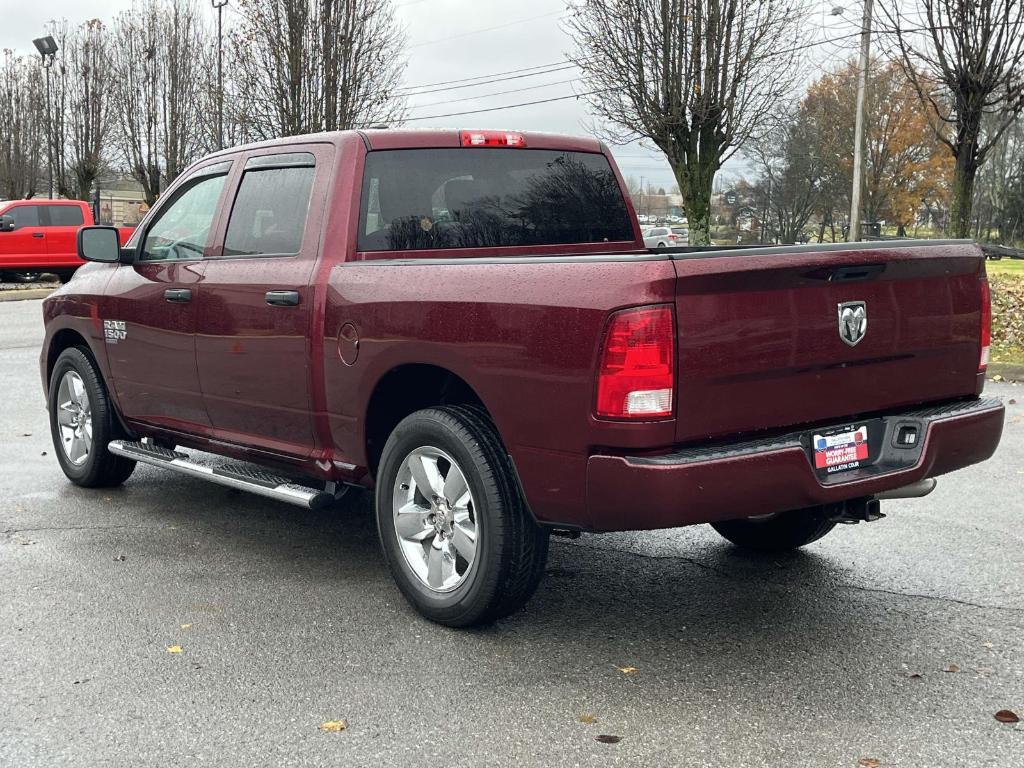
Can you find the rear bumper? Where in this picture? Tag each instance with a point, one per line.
(701, 485)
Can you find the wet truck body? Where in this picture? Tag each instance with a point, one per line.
(505, 273)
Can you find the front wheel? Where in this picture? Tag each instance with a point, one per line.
(82, 422)
(455, 532)
(776, 533)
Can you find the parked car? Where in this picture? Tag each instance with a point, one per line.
(682, 235)
(38, 237)
(660, 237)
(381, 309)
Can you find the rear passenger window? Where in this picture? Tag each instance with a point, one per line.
(25, 215)
(269, 214)
(65, 216)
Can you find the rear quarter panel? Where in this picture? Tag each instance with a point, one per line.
(524, 335)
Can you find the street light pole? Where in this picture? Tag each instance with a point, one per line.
(219, 5)
(47, 48)
(858, 134)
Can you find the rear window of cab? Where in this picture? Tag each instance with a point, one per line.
(430, 199)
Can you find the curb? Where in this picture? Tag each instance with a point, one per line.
(1009, 371)
(27, 293)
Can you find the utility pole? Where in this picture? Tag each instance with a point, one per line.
(858, 137)
(219, 5)
(47, 48)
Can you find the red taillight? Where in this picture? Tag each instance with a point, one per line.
(636, 377)
(986, 325)
(492, 139)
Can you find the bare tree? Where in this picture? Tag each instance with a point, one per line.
(696, 77)
(87, 106)
(792, 173)
(161, 90)
(965, 59)
(301, 66)
(136, 33)
(183, 59)
(22, 130)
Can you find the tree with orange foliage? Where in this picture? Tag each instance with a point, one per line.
(905, 166)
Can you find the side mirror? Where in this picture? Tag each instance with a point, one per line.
(102, 244)
(6, 223)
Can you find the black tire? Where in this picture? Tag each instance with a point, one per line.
(785, 531)
(24, 276)
(511, 548)
(100, 468)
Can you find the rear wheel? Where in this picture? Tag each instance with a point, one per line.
(82, 422)
(455, 533)
(776, 533)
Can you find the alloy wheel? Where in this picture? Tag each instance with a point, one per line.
(435, 519)
(74, 418)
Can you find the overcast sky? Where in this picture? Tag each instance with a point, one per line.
(458, 39)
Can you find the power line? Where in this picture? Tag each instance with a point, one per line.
(793, 49)
(486, 80)
(486, 29)
(507, 106)
(497, 93)
(542, 69)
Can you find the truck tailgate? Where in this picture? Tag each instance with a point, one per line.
(759, 333)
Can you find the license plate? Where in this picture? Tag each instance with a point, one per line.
(837, 451)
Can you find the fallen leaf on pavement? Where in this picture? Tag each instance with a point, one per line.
(588, 719)
(988, 645)
(186, 626)
(1007, 716)
(869, 762)
(627, 670)
(120, 558)
(606, 738)
(1013, 401)
(174, 649)
(334, 726)
(952, 668)
(915, 675)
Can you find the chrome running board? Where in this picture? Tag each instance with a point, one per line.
(240, 476)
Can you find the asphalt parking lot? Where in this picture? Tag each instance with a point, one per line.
(895, 641)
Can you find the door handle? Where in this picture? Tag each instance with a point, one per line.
(37, 234)
(282, 298)
(178, 295)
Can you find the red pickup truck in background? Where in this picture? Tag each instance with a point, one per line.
(468, 323)
(39, 236)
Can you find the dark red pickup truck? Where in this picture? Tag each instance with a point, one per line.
(468, 323)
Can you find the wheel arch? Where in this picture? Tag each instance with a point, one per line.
(405, 389)
(66, 338)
